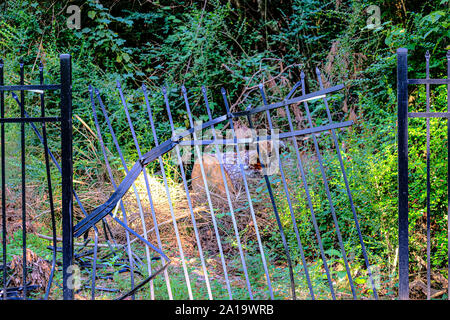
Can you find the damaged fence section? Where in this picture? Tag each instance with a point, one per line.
(244, 205)
(199, 229)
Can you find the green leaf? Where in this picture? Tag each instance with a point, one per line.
(333, 252)
(360, 280)
(126, 57)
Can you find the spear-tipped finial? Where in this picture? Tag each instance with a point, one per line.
(318, 71)
(448, 55)
(260, 86)
(118, 84)
(21, 62)
(144, 87)
(183, 89)
(90, 88)
(302, 75)
(41, 66)
(427, 55)
(223, 90)
(164, 89)
(203, 89)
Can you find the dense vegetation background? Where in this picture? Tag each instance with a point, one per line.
(238, 44)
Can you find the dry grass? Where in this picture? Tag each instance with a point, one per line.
(40, 270)
(241, 210)
(36, 207)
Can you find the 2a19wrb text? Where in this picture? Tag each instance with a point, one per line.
(244, 309)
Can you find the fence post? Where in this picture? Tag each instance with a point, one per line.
(66, 174)
(402, 120)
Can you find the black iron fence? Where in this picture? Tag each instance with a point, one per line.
(8, 289)
(403, 83)
(202, 253)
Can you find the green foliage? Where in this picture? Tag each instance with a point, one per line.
(237, 45)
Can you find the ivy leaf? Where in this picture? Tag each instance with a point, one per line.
(126, 56)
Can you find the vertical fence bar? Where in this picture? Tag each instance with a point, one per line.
(2, 134)
(174, 221)
(125, 167)
(402, 122)
(427, 57)
(274, 206)
(169, 199)
(66, 174)
(22, 161)
(448, 175)
(272, 199)
(49, 182)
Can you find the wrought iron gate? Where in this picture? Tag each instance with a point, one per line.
(7, 290)
(139, 227)
(403, 205)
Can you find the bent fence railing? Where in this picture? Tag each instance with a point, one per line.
(217, 276)
(403, 83)
(9, 290)
(234, 230)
